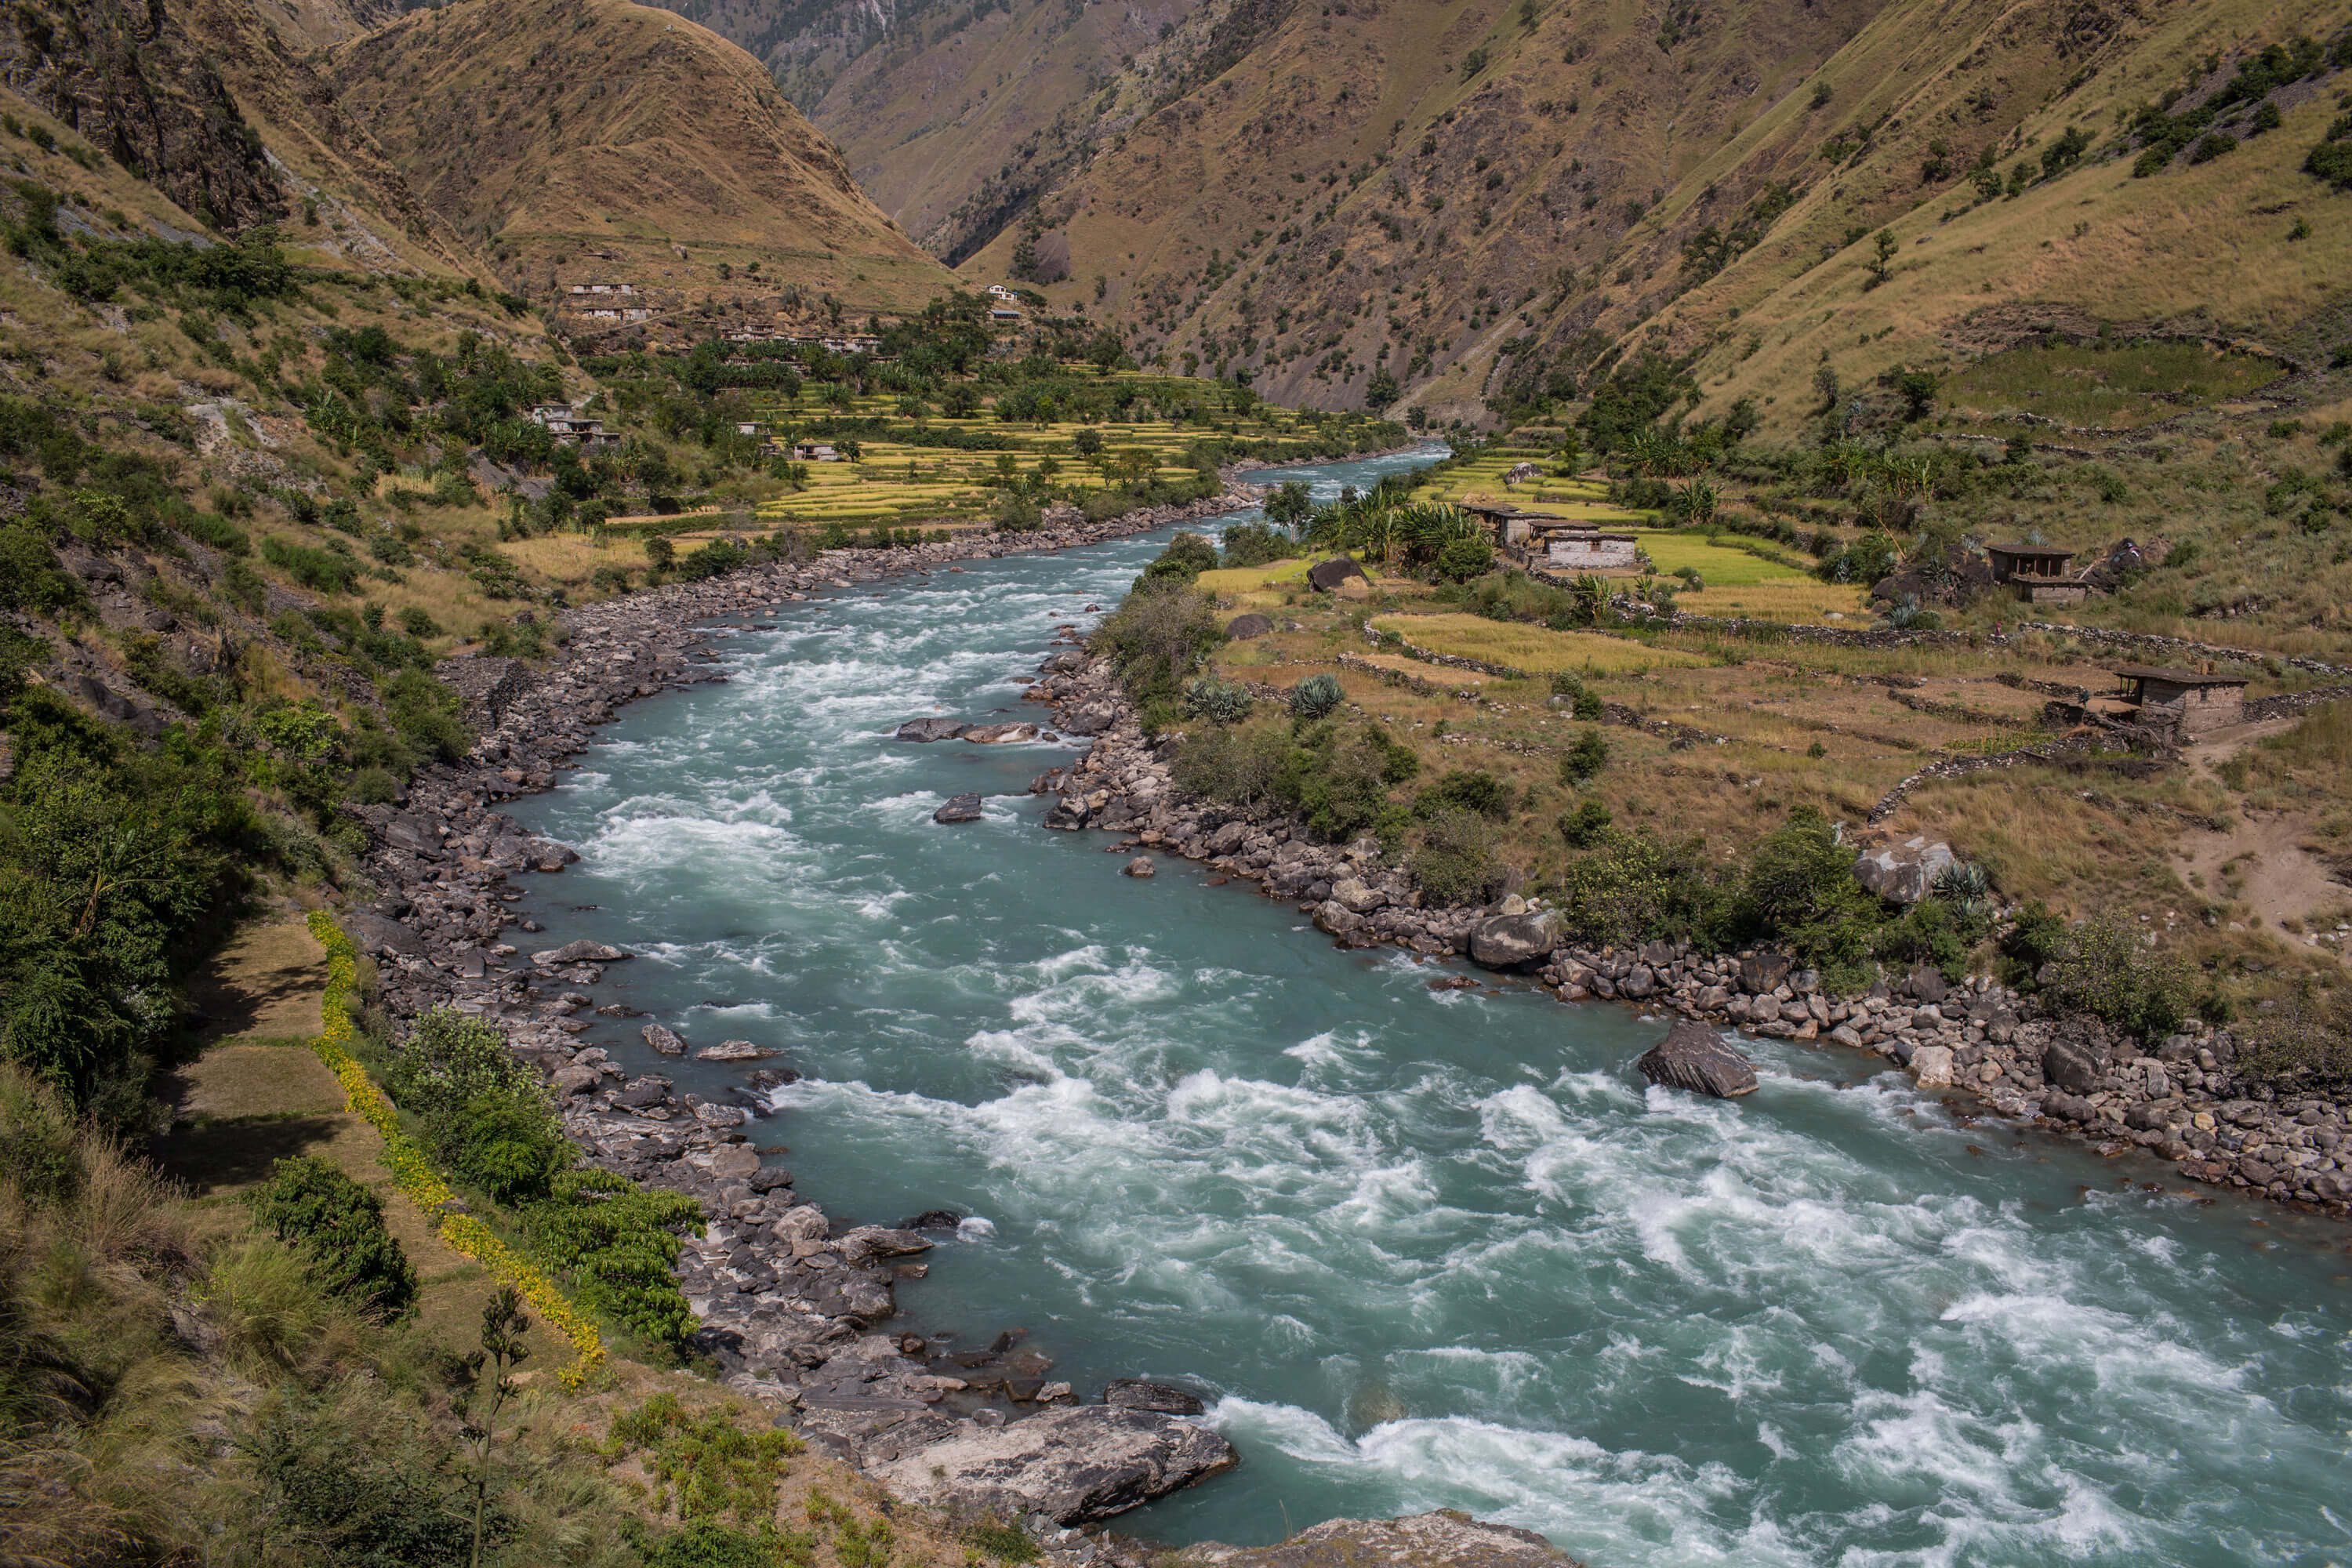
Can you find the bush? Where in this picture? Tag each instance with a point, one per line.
(506, 1142)
(338, 1226)
(1632, 886)
(1466, 789)
(1585, 759)
(1255, 544)
(2304, 1044)
(1342, 780)
(1316, 697)
(1219, 701)
(1455, 863)
(2102, 968)
(1240, 765)
(1583, 825)
(1460, 560)
(1798, 891)
(1187, 556)
(1158, 635)
(617, 1244)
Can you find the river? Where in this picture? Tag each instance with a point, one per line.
(1420, 1248)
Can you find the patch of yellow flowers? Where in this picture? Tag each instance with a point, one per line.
(414, 1174)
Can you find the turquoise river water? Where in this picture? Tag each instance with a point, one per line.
(1419, 1248)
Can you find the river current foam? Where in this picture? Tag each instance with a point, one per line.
(1420, 1249)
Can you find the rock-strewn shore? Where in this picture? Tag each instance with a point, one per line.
(791, 1299)
(2181, 1097)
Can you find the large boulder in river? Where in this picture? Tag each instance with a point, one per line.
(1514, 942)
(1695, 1058)
(1000, 734)
(1326, 576)
(927, 730)
(581, 952)
(1904, 873)
(1071, 1465)
(665, 1041)
(1443, 1538)
(960, 808)
(1241, 628)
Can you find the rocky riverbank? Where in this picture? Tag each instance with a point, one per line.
(791, 1299)
(1990, 1049)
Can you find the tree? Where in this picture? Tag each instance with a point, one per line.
(502, 1349)
(660, 553)
(1381, 390)
(1289, 504)
(1917, 389)
(1088, 443)
(1880, 270)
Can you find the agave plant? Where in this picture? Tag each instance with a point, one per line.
(1964, 886)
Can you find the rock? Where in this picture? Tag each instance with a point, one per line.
(1695, 1058)
(1241, 628)
(1904, 873)
(1326, 576)
(735, 1162)
(932, 1219)
(959, 808)
(1357, 896)
(375, 934)
(581, 951)
(731, 1051)
(572, 1081)
(1763, 973)
(665, 1041)
(1932, 1067)
(1135, 1393)
(1070, 1465)
(924, 731)
(1513, 942)
(1928, 984)
(1445, 1539)
(1000, 734)
(1140, 866)
(2075, 1062)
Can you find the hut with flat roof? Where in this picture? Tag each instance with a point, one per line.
(2189, 701)
(2037, 574)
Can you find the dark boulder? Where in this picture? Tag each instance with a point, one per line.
(926, 730)
(1241, 628)
(1325, 576)
(1695, 1058)
(932, 1219)
(2076, 1061)
(1763, 971)
(375, 934)
(1135, 1393)
(959, 808)
(665, 1041)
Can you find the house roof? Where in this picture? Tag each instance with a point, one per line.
(2175, 676)
(2042, 549)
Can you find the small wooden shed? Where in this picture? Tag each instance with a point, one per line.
(2040, 575)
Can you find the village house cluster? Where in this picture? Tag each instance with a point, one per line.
(571, 427)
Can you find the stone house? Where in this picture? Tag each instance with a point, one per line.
(2037, 574)
(2191, 701)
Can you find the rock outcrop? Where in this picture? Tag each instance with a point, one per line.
(924, 731)
(1904, 873)
(1444, 1538)
(1073, 1466)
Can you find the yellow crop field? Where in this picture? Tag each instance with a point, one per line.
(1534, 649)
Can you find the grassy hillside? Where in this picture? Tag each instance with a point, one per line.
(593, 141)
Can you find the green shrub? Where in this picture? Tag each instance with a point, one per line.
(1460, 560)
(338, 1226)
(1158, 635)
(369, 1495)
(1585, 758)
(1341, 780)
(2304, 1044)
(1455, 862)
(2102, 968)
(1005, 1542)
(1632, 886)
(1466, 789)
(506, 1142)
(617, 1244)
(1255, 544)
(704, 1462)
(1187, 556)
(1583, 825)
(38, 1153)
(1316, 697)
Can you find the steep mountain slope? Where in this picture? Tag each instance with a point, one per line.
(572, 137)
(928, 99)
(1474, 204)
(1377, 188)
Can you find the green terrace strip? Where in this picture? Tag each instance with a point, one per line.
(412, 1172)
